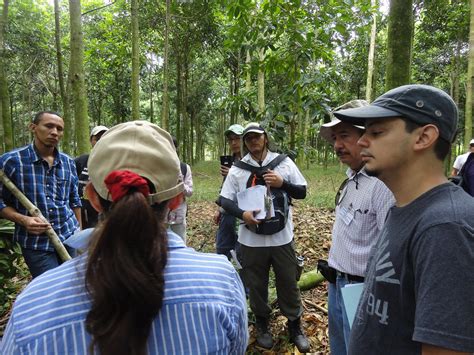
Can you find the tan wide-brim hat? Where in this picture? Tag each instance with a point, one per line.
(143, 148)
(326, 129)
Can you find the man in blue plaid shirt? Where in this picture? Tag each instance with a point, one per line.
(49, 180)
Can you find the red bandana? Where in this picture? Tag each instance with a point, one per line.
(120, 182)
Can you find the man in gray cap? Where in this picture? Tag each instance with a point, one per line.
(420, 278)
(362, 203)
(88, 213)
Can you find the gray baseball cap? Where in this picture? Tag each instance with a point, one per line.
(421, 104)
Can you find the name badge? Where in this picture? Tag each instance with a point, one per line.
(346, 214)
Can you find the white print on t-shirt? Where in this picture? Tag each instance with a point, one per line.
(383, 262)
(384, 272)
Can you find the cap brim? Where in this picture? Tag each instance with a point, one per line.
(357, 116)
(254, 130)
(326, 131)
(229, 131)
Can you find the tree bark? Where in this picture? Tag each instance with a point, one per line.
(370, 62)
(135, 61)
(166, 100)
(6, 122)
(399, 43)
(77, 79)
(261, 82)
(470, 86)
(62, 90)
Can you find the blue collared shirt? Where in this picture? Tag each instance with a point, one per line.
(52, 189)
(204, 309)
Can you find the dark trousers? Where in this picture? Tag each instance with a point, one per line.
(40, 261)
(256, 262)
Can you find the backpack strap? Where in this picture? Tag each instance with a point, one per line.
(184, 169)
(261, 169)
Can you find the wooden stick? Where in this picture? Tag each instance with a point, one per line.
(35, 212)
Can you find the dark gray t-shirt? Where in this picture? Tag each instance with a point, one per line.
(420, 278)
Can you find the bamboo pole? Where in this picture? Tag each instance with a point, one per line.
(35, 212)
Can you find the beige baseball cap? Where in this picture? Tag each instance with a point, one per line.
(143, 148)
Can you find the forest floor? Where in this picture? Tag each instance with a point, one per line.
(312, 235)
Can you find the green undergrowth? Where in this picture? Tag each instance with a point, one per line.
(322, 183)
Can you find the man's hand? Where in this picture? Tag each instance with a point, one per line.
(273, 179)
(249, 217)
(217, 217)
(224, 170)
(35, 225)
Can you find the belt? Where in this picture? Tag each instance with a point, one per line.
(349, 277)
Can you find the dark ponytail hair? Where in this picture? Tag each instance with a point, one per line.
(125, 275)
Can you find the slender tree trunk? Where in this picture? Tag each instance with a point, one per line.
(67, 142)
(165, 111)
(470, 86)
(76, 69)
(135, 61)
(399, 43)
(261, 82)
(150, 76)
(179, 104)
(248, 78)
(4, 95)
(370, 67)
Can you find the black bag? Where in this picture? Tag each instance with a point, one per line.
(281, 200)
(328, 272)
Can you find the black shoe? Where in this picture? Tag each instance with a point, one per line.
(297, 336)
(264, 337)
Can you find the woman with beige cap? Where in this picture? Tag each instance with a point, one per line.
(138, 289)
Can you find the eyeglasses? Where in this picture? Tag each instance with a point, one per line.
(341, 192)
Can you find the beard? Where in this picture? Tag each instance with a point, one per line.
(372, 172)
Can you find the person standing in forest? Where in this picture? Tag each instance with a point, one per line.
(461, 159)
(419, 286)
(226, 236)
(177, 218)
(48, 179)
(260, 248)
(362, 203)
(88, 214)
(138, 290)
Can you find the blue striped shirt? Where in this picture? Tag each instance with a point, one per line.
(204, 309)
(52, 189)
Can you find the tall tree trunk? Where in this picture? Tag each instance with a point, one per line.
(369, 91)
(135, 61)
(78, 86)
(470, 86)
(165, 111)
(179, 104)
(248, 64)
(399, 43)
(261, 82)
(67, 141)
(6, 120)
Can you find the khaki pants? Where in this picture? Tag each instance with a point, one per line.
(256, 262)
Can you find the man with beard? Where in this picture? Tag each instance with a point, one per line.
(362, 203)
(48, 179)
(419, 286)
